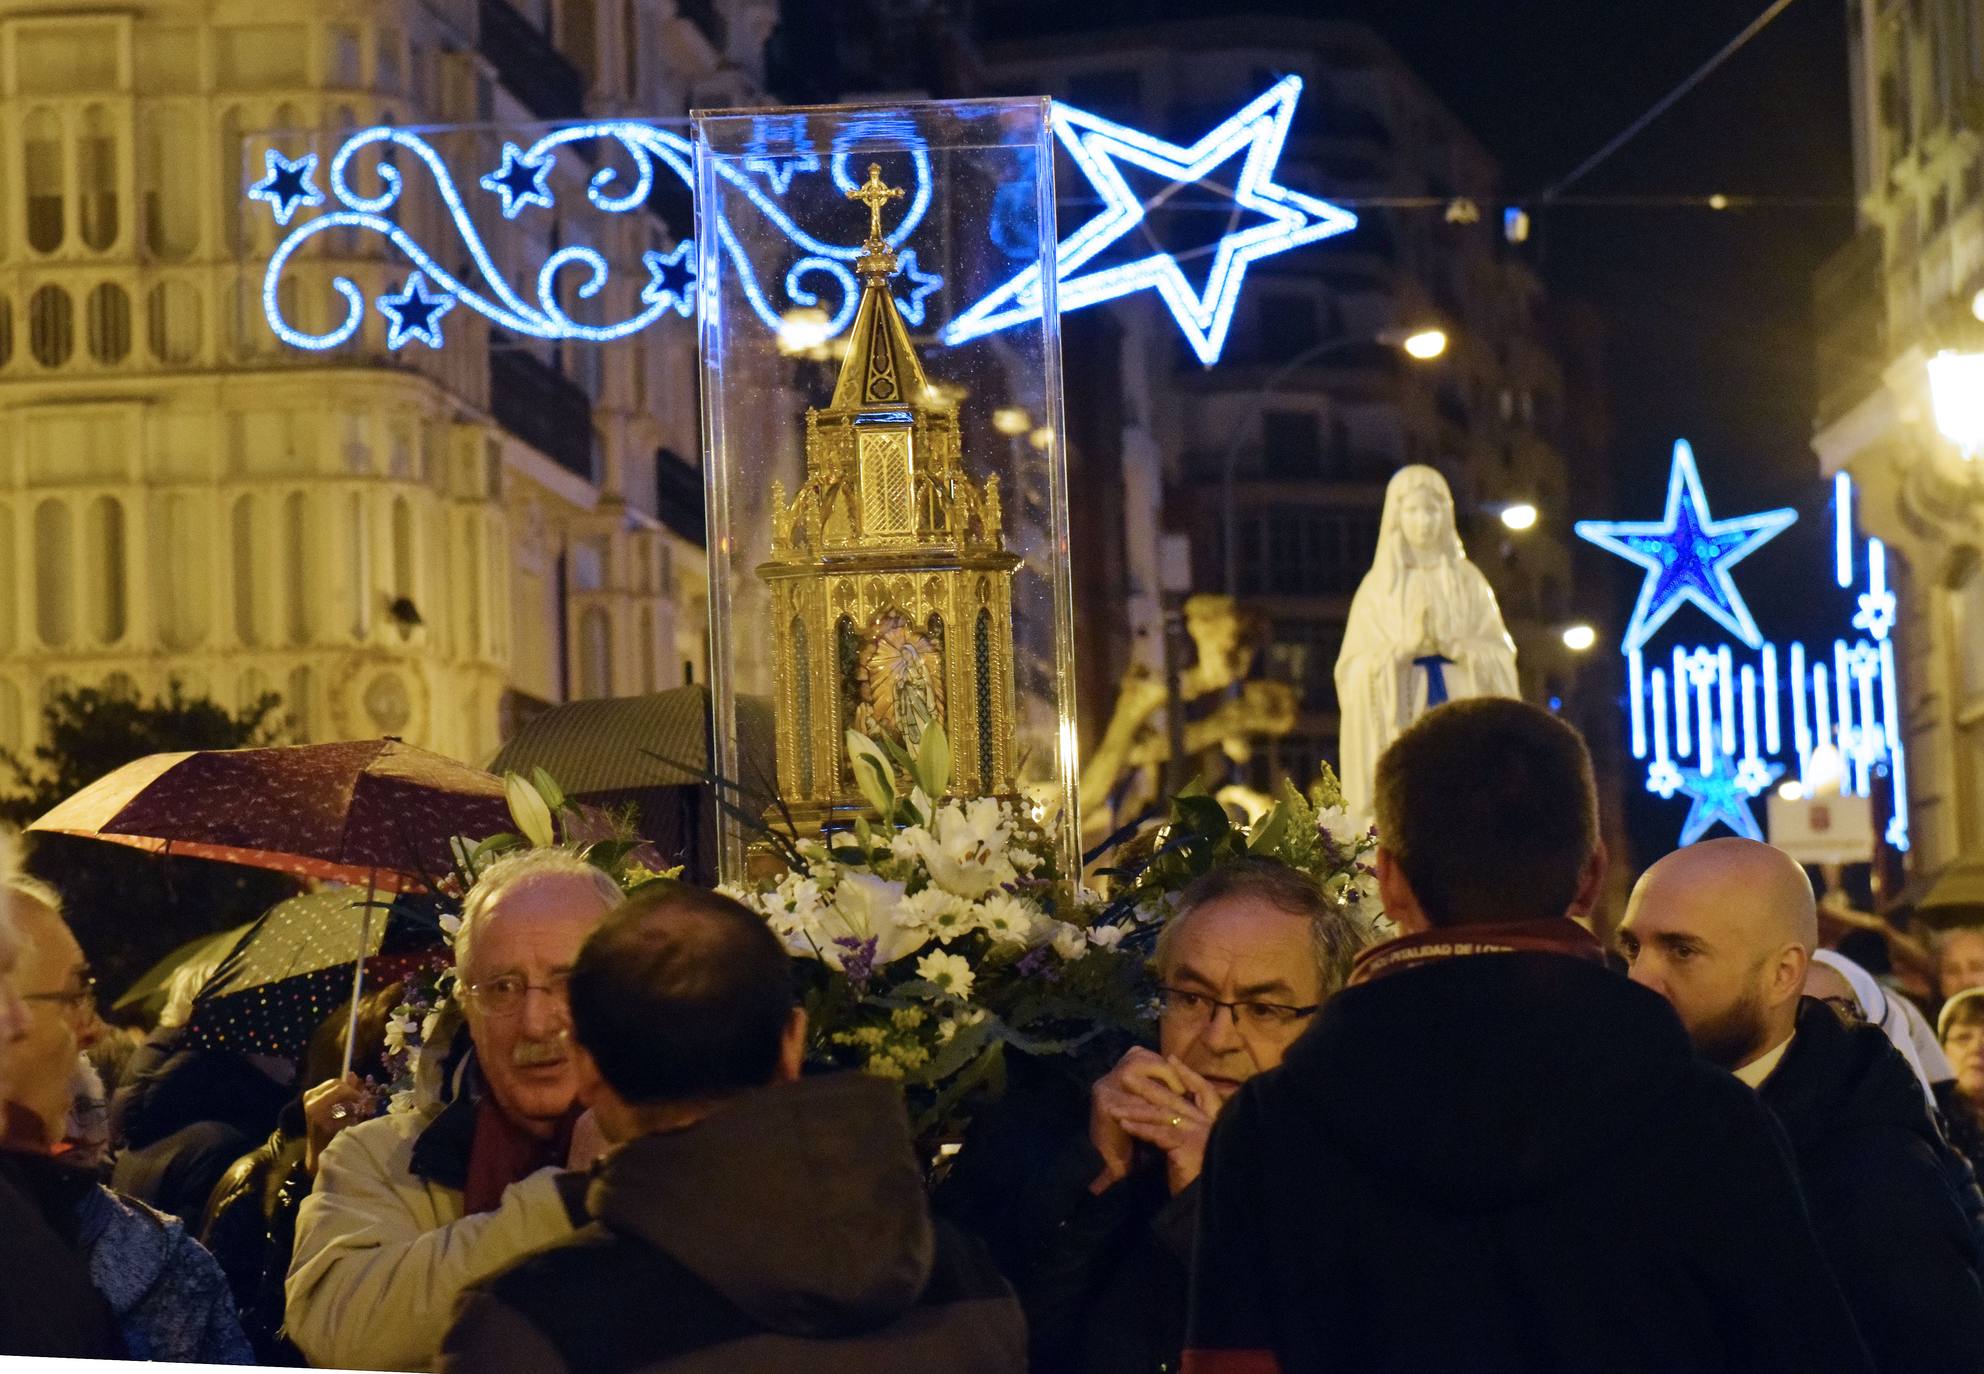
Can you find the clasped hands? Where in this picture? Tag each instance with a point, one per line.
(1159, 1101)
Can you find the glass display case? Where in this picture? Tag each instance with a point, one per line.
(888, 508)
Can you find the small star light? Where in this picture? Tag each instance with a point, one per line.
(1722, 797)
(1687, 555)
(674, 277)
(287, 184)
(415, 314)
(921, 285)
(1266, 219)
(519, 181)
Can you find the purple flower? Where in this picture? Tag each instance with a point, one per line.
(1035, 961)
(858, 963)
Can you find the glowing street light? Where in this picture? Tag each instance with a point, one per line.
(1519, 516)
(1425, 344)
(1579, 638)
(1791, 791)
(1956, 386)
(1012, 421)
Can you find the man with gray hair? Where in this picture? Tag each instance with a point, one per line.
(1088, 1194)
(411, 1208)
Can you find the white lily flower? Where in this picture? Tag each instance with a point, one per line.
(1070, 941)
(866, 907)
(1105, 937)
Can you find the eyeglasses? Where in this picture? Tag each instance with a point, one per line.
(505, 994)
(76, 1003)
(1193, 1008)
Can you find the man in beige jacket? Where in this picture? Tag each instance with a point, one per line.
(411, 1208)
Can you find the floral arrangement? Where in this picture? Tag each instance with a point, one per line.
(938, 934)
(545, 818)
(1312, 833)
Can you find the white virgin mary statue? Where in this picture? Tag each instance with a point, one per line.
(1424, 629)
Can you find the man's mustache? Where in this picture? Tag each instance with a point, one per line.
(529, 1053)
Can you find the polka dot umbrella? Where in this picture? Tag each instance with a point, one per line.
(293, 967)
(374, 812)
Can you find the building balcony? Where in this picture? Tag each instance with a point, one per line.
(679, 497)
(529, 65)
(1851, 318)
(543, 407)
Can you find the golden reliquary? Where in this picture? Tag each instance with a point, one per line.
(891, 588)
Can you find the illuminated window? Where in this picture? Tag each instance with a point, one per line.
(96, 179)
(43, 168)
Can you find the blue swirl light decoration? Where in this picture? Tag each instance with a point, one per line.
(650, 152)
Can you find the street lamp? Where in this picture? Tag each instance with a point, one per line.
(1579, 638)
(1421, 344)
(1956, 386)
(1519, 516)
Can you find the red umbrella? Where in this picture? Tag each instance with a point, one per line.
(364, 811)
(376, 812)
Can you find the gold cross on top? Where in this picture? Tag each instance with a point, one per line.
(875, 195)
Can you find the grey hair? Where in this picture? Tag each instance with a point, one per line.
(1336, 935)
(183, 987)
(16, 881)
(516, 870)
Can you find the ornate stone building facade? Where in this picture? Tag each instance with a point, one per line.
(427, 543)
(1910, 284)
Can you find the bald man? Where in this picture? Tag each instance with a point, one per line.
(1725, 931)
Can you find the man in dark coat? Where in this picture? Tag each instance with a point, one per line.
(749, 1219)
(1087, 1194)
(1491, 1153)
(1725, 931)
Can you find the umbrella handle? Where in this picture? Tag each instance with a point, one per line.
(358, 973)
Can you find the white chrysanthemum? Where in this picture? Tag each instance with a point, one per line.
(1337, 826)
(940, 913)
(1008, 919)
(948, 971)
(1070, 941)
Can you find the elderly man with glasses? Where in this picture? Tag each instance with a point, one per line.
(411, 1208)
(1087, 1195)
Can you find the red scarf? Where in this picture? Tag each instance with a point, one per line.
(503, 1153)
(1558, 936)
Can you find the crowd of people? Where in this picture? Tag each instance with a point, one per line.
(1491, 1143)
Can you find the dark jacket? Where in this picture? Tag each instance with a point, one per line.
(182, 1117)
(1506, 1162)
(1101, 1278)
(787, 1231)
(48, 1306)
(1886, 1207)
(250, 1228)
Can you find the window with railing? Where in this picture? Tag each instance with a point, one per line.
(1305, 551)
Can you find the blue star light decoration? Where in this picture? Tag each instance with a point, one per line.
(1687, 556)
(287, 184)
(672, 277)
(921, 286)
(415, 314)
(1722, 797)
(519, 181)
(1286, 219)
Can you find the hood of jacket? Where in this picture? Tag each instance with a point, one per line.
(1836, 1079)
(801, 1203)
(1484, 1082)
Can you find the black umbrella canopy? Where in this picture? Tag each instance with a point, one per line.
(293, 968)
